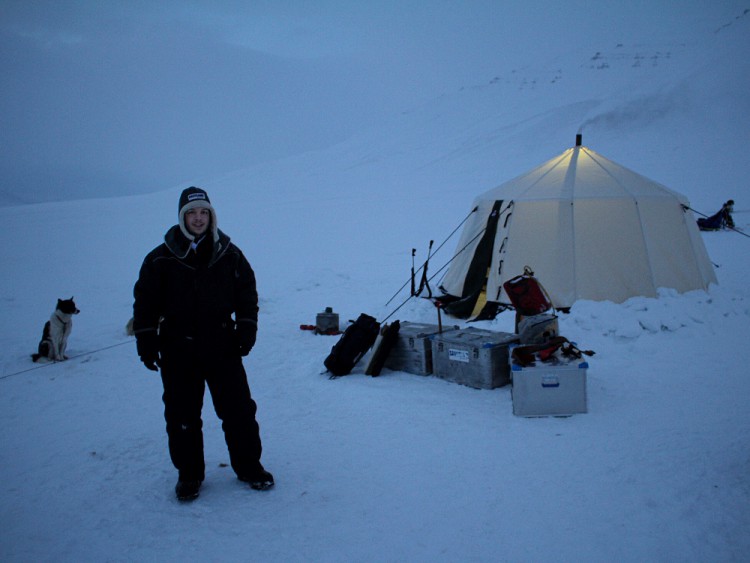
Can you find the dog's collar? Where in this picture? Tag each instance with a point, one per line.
(62, 320)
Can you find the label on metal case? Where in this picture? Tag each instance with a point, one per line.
(458, 355)
(550, 381)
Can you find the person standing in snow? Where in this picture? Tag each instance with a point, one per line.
(726, 212)
(195, 316)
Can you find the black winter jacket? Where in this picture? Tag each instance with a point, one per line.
(180, 293)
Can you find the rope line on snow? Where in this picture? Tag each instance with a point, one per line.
(47, 364)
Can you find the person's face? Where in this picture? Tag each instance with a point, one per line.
(197, 220)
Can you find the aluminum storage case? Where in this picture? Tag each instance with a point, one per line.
(474, 357)
(537, 329)
(546, 389)
(413, 351)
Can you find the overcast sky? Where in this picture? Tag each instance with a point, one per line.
(105, 97)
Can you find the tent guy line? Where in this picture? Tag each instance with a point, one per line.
(431, 256)
(730, 228)
(444, 266)
(48, 364)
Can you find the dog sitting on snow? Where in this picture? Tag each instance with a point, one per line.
(56, 332)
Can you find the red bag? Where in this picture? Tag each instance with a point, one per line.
(527, 295)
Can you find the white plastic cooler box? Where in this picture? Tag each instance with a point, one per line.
(546, 389)
(474, 357)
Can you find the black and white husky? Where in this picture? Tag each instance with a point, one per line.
(56, 332)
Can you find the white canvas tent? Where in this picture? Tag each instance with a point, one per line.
(589, 229)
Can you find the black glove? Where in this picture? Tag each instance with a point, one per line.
(245, 334)
(147, 344)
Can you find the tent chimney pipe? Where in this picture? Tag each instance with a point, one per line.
(579, 139)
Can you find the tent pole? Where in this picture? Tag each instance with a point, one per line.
(413, 286)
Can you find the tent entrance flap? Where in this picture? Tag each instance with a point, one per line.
(476, 274)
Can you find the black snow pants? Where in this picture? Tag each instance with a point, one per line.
(187, 365)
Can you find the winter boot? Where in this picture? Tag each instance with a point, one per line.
(187, 490)
(260, 480)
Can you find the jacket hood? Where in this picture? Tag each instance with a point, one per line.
(178, 243)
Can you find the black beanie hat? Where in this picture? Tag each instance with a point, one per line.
(191, 198)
